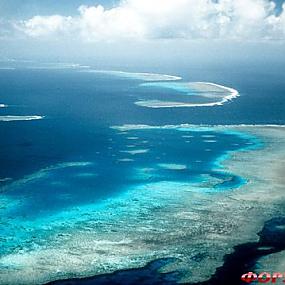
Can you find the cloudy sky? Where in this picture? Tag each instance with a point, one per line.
(29, 24)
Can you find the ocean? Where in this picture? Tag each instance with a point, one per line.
(77, 143)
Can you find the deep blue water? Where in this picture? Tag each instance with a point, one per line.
(79, 109)
(73, 157)
(110, 169)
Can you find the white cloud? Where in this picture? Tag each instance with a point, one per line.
(47, 25)
(145, 19)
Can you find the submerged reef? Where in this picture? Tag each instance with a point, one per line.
(244, 258)
(198, 94)
(190, 209)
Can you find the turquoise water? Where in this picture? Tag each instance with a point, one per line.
(181, 92)
(80, 164)
(131, 159)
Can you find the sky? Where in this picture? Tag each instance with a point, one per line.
(92, 27)
(28, 8)
(22, 9)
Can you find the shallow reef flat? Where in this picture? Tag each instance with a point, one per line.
(136, 75)
(19, 118)
(171, 91)
(198, 94)
(187, 222)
